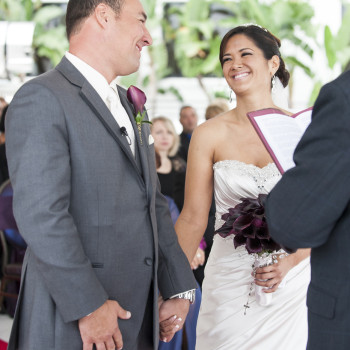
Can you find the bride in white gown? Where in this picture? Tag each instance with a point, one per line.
(226, 156)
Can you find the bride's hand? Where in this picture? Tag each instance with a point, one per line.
(198, 259)
(271, 276)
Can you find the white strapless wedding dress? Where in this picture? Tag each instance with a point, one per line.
(222, 323)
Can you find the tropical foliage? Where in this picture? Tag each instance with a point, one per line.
(49, 40)
(187, 34)
(337, 49)
(201, 24)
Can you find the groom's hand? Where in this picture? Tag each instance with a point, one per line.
(101, 327)
(172, 315)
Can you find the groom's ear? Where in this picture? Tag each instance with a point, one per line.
(102, 14)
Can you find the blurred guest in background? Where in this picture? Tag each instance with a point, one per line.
(172, 168)
(3, 104)
(4, 172)
(215, 108)
(189, 121)
(3, 108)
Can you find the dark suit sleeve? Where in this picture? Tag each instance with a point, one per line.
(184, 145)
(179, 184)
(39, 163)
(305, 206)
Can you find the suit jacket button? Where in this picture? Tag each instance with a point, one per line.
(148, 261)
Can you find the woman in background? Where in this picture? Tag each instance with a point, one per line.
(172, 169)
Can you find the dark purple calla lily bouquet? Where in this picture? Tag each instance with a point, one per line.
(247, 223)
(138, 99)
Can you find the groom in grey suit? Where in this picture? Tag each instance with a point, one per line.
(101, 243)
(310, 207)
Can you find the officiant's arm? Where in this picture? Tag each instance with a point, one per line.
(193, 220)
(306, 204)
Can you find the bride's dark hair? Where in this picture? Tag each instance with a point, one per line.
(265, 41)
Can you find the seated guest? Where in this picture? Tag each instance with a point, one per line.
(4, 172)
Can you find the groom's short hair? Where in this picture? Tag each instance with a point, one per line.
(79, 10)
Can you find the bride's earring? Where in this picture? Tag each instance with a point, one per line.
(231, 98)
(273, 83)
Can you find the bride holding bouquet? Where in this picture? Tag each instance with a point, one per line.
(227, 158)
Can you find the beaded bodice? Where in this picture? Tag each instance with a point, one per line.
(234, 180)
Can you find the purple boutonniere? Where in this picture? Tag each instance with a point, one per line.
(138, 99)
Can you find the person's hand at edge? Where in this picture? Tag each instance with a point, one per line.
(198, 259)
(101, 327)
(172, 315)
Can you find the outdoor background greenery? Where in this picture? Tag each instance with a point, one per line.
(187, 37)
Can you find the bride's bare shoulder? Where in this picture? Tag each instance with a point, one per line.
(214, 124)
(209, 132)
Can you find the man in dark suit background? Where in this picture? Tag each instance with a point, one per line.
(189, 121)
(101, 242)
(310, 207)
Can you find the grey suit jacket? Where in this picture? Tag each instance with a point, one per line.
(310, 207)
(96, 224)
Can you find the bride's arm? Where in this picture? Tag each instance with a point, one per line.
(193, 220)
(275, 273)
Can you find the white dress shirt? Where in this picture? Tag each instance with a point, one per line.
(108, 93)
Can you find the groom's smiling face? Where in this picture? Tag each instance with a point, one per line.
(128, 35)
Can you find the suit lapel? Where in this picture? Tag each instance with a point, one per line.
(142, 148)
(94, 101)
